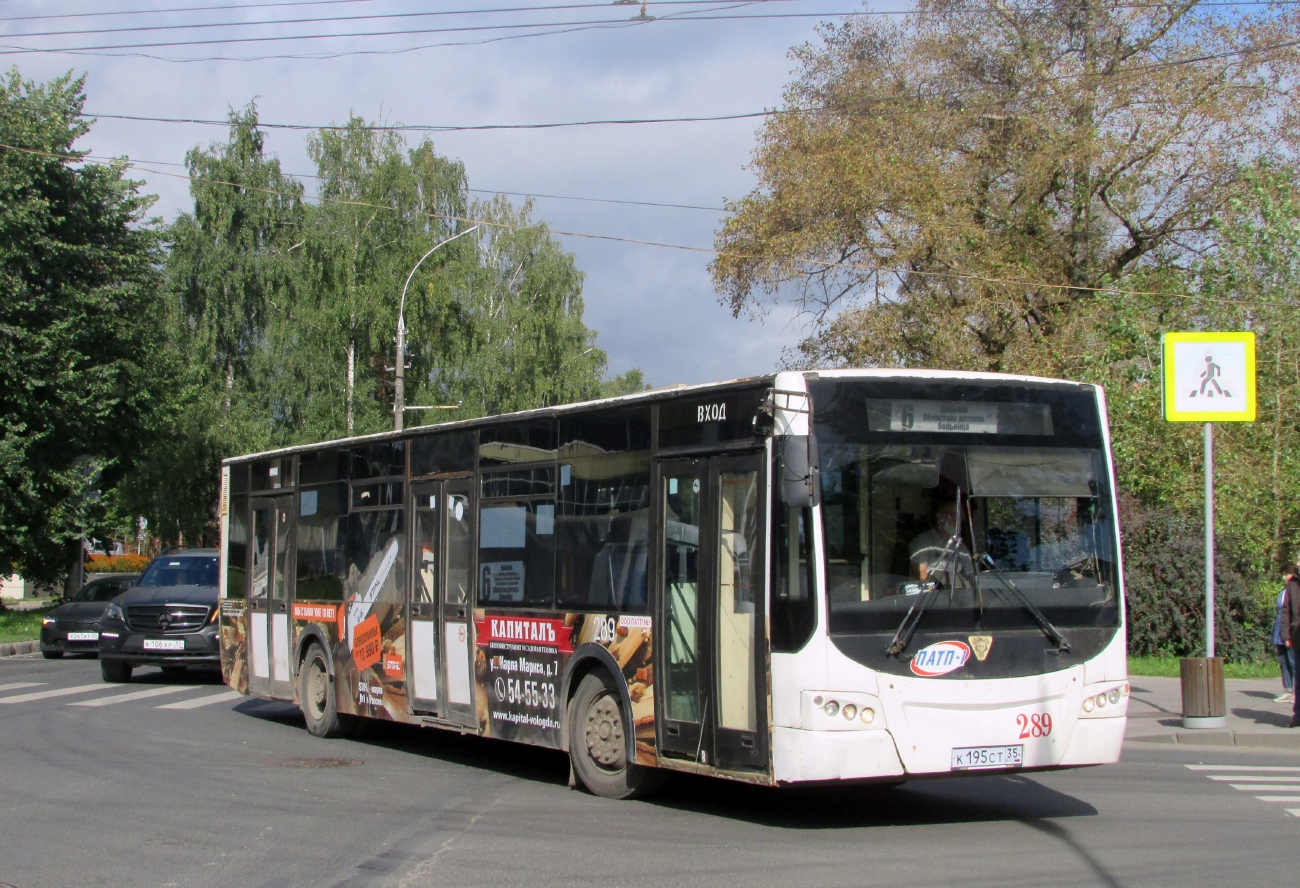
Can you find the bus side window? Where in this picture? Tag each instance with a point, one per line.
(794, 612)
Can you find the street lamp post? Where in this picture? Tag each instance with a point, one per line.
(399, 383)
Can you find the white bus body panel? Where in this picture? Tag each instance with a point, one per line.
(919, 721)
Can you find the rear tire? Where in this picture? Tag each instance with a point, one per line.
(317, 700)
(598, 743)
(115, 671)
(52, 655)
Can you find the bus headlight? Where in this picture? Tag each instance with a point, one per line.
(868, 715)
(850, 711)
(832, 708)
(840, 711)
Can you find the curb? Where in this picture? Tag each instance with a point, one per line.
(1240, 739)
(18, 648)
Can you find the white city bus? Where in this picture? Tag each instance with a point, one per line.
(842, 575)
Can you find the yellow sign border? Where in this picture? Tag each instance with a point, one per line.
(1167, 342)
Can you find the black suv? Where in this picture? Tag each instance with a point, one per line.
(168, 618)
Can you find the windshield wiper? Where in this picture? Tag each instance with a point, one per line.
(908, 627)
(1052, 633)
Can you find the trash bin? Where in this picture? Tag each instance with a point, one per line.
(1204, 701)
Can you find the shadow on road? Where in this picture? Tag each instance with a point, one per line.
(932, 801)
(1278, 718)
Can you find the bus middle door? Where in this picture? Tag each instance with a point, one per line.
(441, 660)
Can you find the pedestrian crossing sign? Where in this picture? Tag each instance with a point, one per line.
(1209, 377)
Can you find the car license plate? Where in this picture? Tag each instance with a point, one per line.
(164, 644)
(83, 636)
(987, 757)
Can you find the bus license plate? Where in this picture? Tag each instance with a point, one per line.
(83, 636)
(988, 757)
(164, 644)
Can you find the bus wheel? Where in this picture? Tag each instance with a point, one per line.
(316, 693)
(598, 744)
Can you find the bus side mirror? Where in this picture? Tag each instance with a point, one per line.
(798, 467)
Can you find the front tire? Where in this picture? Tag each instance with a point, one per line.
(317, 700)
(115, 671)
(598, 743)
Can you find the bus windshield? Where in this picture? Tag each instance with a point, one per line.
(991, 521)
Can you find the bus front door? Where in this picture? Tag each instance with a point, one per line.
(711, 660)
(441, 658)
(268, 600)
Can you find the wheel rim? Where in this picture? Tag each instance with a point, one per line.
(603, 731)
(317, 689)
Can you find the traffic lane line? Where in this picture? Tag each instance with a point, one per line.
(57, 692)
(208, 700)
(136, 695)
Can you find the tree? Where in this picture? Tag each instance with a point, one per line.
(229, 274)
(504, 325)
(629, 383)
(81, 327)
(953, 189)
(381, 208)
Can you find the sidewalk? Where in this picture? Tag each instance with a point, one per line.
(1155, 715)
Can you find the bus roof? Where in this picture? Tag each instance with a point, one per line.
(655, 395)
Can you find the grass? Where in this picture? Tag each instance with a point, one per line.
(1168, 667)
(21, 625)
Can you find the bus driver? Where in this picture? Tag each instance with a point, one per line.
(929, 547)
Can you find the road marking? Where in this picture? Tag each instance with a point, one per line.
(135, 695)
(1291, 768)
(19, 685)
(1264, 779)
(209, 700)
(57, 692)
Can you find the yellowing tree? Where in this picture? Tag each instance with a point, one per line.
(958, 188)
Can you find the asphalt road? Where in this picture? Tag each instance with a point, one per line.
(177, 782)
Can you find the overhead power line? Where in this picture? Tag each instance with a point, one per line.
(446, 128)
(807, 261)
(410, 32)
(191, 26)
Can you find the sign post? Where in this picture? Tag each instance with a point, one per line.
(1208, 378)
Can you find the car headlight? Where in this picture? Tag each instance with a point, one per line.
(48, 621)
(114, 612)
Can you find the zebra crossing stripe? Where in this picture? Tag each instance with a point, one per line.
(135, 695)
(19, 685)
(208, 700)
(1256, 779)
(56, 692)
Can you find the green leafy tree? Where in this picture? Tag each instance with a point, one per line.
(230, 275)
(628, 383)
(82, 375)
(381, 208)
(504, 324)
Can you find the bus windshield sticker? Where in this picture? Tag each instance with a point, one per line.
(502, 581)
(940, 658)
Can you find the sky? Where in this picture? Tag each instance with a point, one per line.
(654, 307)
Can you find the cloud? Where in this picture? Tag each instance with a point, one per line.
(654, 308)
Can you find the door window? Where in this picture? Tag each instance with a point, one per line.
(682, 591)
(737, 593)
